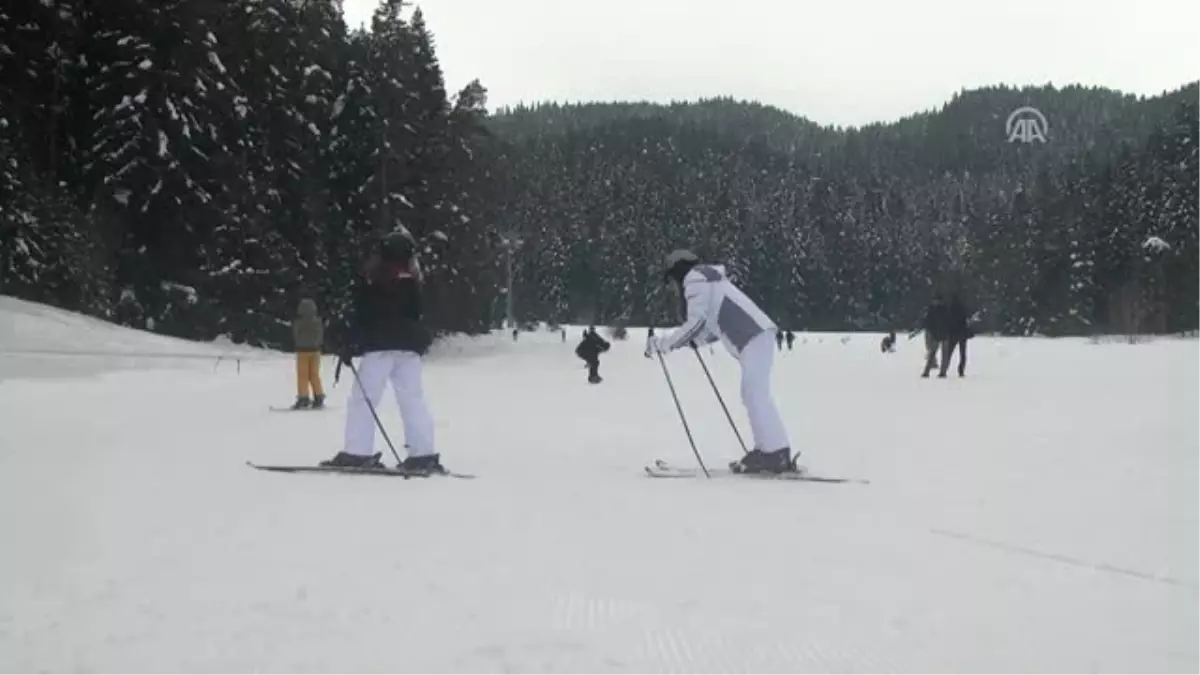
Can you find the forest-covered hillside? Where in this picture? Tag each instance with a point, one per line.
(855, 228)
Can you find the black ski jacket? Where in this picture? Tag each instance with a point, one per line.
(591, 346)
(957, 320)
(937, 321)
(386, 316)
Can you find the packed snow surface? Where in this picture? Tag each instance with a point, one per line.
(1038, 515)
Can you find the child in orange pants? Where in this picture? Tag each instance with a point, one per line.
(308, 333)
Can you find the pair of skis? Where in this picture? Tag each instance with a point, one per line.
(659, 469)
(378, 470)
(662, 469)
(291, 409)
(397, 472)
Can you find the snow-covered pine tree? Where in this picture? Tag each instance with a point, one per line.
(272, 239)
(427, 182)
(1176, 150)
(469, 284)
(429, 208)
(48, 251)
(351, 163)
(39, 89)
(391, 58)
(155, 154)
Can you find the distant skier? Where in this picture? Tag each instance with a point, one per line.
(649, 337)
(386, 331)
(779, 340)
(719, 310)
(590, 349)
(308, 338)
(958, 331)
(564, 334)
(888, 344)
(791, 339)
(936, 327)
(516, 333)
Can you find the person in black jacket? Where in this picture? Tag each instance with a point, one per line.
(386, 334)
(958, 331)
(590, 349)
(936, 327)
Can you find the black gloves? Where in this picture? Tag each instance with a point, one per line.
(345, 356)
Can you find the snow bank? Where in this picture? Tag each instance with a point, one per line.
(38, 340)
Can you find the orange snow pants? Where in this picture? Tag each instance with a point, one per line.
(308, 374)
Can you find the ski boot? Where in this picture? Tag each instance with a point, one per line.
(302, 403)
(426, 464)
(349, 461)
(318, 402)
(758, 461)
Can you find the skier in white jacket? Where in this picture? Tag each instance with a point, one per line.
(719, 310)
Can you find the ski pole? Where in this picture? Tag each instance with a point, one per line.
(724, 407)
(371, 407)
(682, 418)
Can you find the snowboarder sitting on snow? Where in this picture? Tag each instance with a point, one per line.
(308, 337)
(386, 334)
(590, 350)
(888, 344)
(719, 310)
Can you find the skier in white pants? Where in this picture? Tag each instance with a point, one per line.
(385, 330)
(719, 310)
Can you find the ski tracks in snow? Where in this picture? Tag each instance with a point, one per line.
(686, 638)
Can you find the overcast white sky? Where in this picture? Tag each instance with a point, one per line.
(844, 62)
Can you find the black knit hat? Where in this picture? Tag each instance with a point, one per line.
(397, 247)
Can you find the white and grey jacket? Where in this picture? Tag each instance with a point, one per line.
(717, 310)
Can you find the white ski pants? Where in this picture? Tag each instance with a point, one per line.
(375, 369)
(766, 425)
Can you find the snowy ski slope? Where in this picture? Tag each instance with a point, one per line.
(1040, 515)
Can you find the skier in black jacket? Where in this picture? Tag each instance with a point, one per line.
(958, 331)
(936, 327)
(590, 349)
(386, 334)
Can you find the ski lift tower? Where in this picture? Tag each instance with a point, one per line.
(510, 241)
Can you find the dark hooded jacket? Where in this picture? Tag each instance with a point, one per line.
(591, 346)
